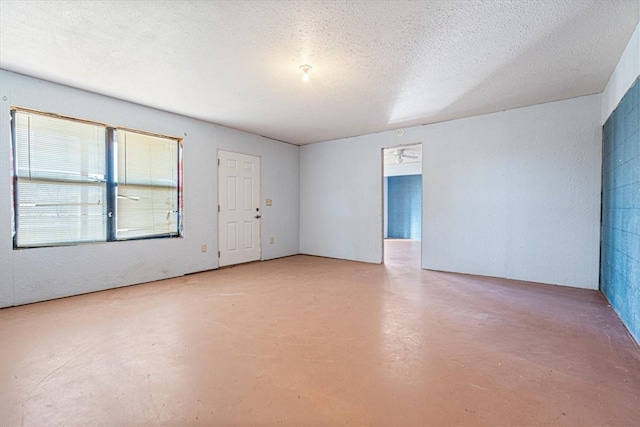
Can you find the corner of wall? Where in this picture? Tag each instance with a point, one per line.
(623, 76)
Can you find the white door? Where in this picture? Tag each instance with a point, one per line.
(239, 208)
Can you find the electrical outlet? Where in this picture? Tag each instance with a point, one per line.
(203, 248)
(271, 239)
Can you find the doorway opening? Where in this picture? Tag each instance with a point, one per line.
(402, 204)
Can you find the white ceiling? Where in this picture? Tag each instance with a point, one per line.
(377, 65)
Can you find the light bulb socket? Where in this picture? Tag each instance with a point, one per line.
(305, 72)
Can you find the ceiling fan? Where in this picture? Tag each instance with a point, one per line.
(400, 154)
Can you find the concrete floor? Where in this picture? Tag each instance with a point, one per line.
(311, 341)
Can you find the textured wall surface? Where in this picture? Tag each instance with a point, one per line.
(514, 194)
(404, 206)
(620, 247)
(31, 275)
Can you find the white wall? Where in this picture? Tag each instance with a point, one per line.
(341, 198)
(625, 73)
(413, 168)
(30, 275)
(514, 194)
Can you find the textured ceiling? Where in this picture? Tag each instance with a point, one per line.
(377, 65)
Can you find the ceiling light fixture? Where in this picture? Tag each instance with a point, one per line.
(305, 72)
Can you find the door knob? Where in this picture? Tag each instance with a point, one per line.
(258, 216)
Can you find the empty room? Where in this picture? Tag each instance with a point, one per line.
(320, 213)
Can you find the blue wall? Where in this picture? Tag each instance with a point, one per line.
(620, 246)
(404, 206)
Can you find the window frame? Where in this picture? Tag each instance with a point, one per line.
(110, 181)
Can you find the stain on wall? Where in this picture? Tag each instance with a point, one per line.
(620, 238)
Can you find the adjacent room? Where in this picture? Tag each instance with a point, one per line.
(320, 212)
(402, 197)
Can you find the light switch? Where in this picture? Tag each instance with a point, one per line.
(269, 202)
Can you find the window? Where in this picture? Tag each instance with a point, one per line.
(77, 182)
(147, 200)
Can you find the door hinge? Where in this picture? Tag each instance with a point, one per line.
(218, 162)
(218, 254)
(218, 208)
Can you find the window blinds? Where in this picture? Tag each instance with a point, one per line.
(80, 182)
(147, 193)
(61, 187)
